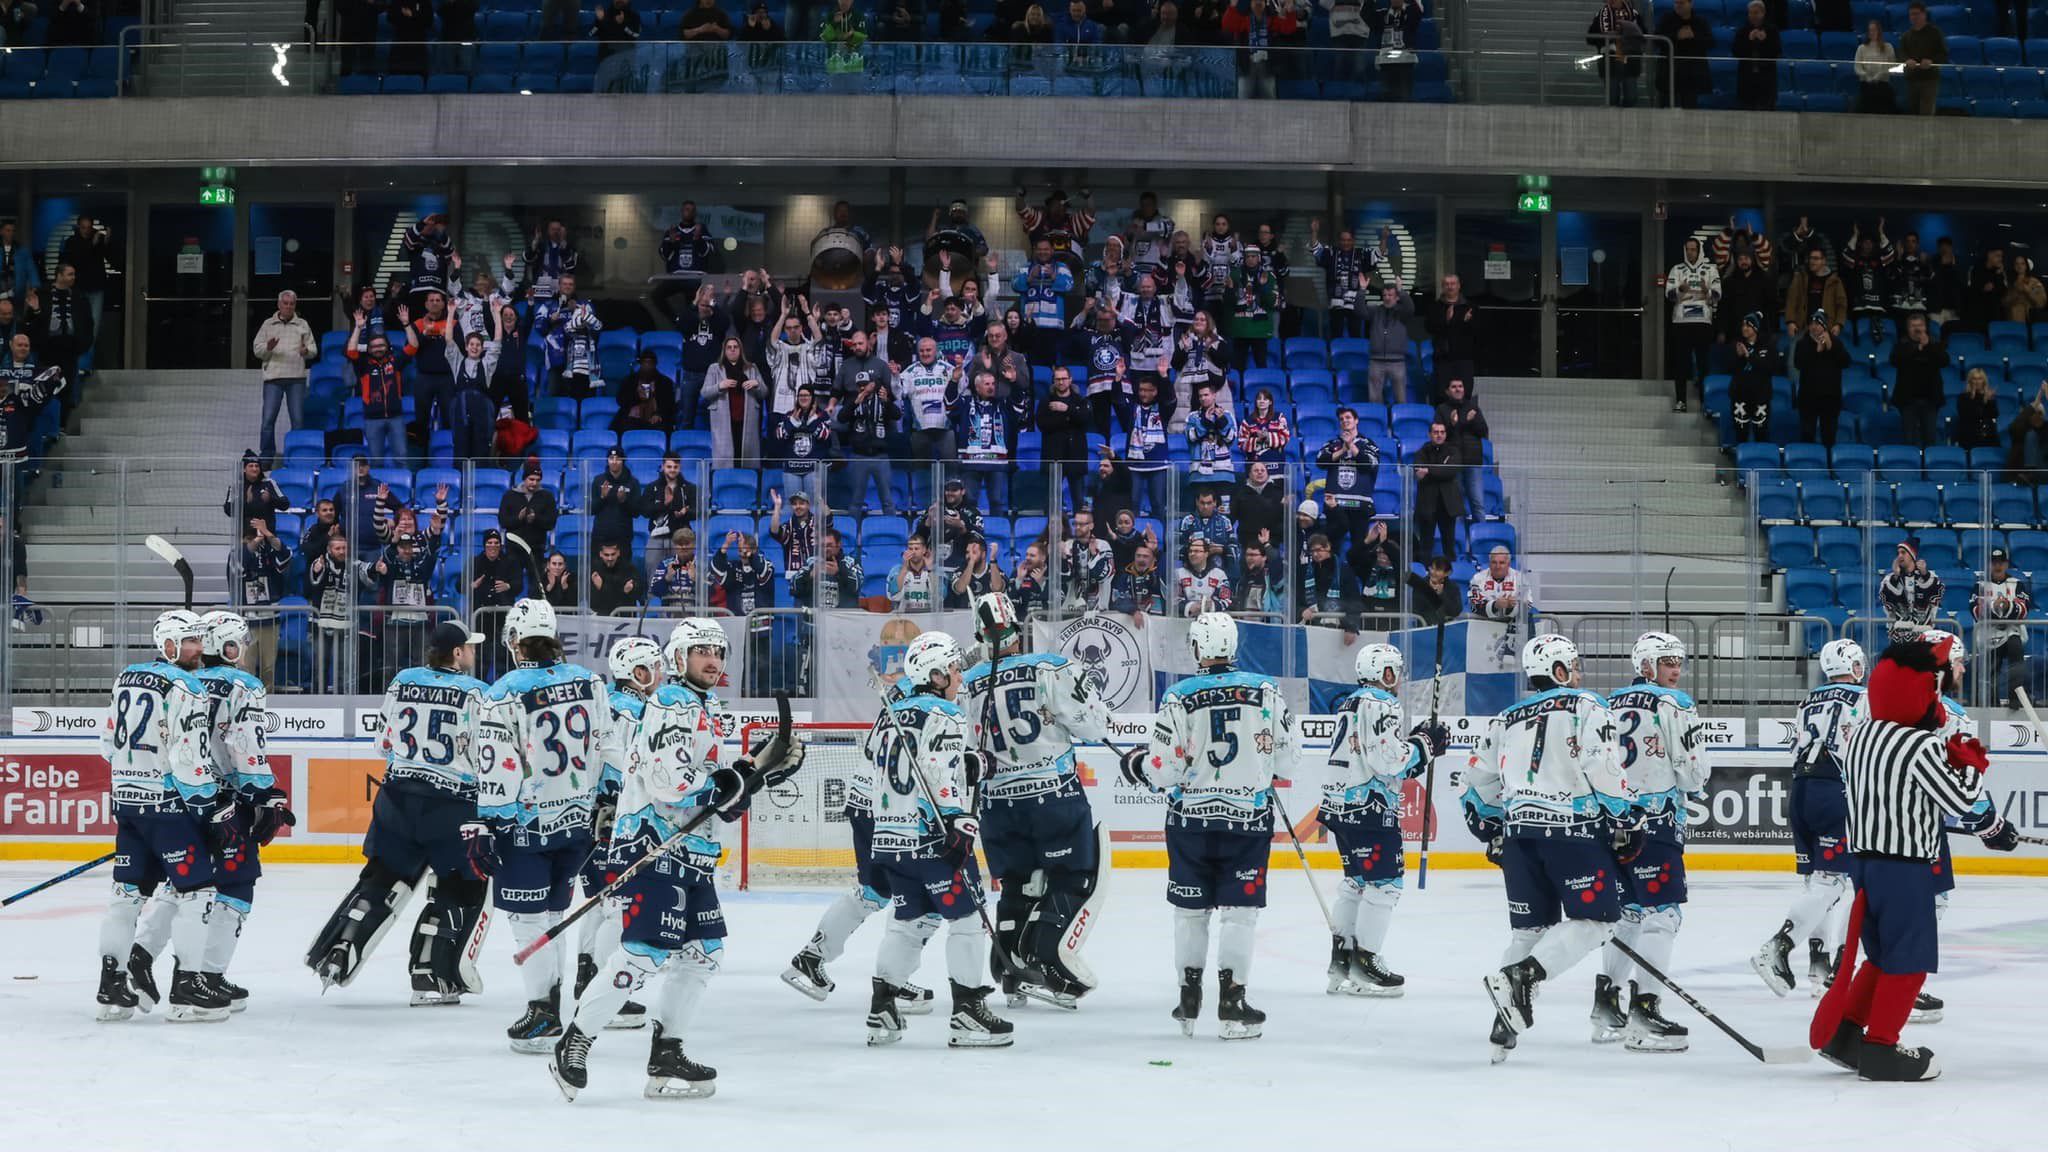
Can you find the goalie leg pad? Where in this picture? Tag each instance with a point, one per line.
(449, 937)
(361, 920)
(1066, 916)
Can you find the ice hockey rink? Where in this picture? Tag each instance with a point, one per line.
(358, 1069)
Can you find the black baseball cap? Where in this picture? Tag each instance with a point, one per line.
(2000, 554)
(449, 634)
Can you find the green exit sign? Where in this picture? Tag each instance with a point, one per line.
(1533, 202)
(218, 194)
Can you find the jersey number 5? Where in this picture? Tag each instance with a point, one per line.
(1017, 701)
(1220, 720)
(439, 748)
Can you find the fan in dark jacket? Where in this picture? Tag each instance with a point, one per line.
(529, 511)
(1435, 597)
(1917, 393)
(1063, 422)
(1465, 430)
(613, 501)
(260, 497)
(1977, 415)
(1746, 288)
(1820, 360)
(1436, 491)
(1259, 505)
(1692, 38)
(1756, 49)
(1756, 372)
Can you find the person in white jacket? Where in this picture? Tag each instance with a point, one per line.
(284, 343)
(1694, 288)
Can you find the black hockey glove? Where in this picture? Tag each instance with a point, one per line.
(961, 829)
(1485, 829)
(1628, 840)
(270, 813)
(1133, 768)
(1433, 738)
(971, 769)
(480, 846)
(1497, 850)
(2001, 837)
(225, 834)
(729, 786)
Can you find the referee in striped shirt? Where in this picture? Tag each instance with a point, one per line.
(1902, 779)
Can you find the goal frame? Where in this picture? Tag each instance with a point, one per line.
(753, 863)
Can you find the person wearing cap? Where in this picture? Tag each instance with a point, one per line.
(1254, 308)
(1756, 369)
(1910, 592)
(955, 520)
(258, 496)
(833, 581)
(404, 578)
(797, 533)
(647, 399)
(497, 581)
(528, 510)
(1308, 520)
(613, 502)
(1917, 393)
(2002, 599)
(763, 37)
(1386, 331)
(1059, 225)
(615, 28)
(1819, 359)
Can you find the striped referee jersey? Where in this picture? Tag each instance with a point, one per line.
(1900, 785)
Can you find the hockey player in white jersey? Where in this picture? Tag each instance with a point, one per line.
(1371, 755)
(636, 665)
(1662, 757)
(924, 848)
(1820, 824)
(172, 820)
(432, 753)
(672, 924)
(549, 721)
(237, 714)
(1546, 794)
(1042, 841)
(1220, 738)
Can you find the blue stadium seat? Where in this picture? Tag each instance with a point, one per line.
(358, 84)
(1939, 547)
(1897, 463)
(1852, 459)
(536, 83)
(2029, 549)
(1965, 50)
(598, 412)
(592, 440)
(447, 83)
(734, 490)
(1807, 589)
(1945, 458)
(1789, 545)
(1486, 534)
(1839, 548)
(643, 440)
(1758, 458)
(305, 449)
(1919, 503)
(553, 443)
(405, 85)
(1803, 460)
(1777, 499)
(1301, 352)
(691, 444)
(1838, 46)
(1823, 499)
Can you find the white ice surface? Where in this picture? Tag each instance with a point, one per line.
(358, 1069)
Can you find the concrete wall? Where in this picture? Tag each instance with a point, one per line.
(1006, 131)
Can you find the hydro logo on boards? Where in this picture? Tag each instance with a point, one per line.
(303, 723)
(58, 721)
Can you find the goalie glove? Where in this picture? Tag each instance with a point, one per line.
(772, 761)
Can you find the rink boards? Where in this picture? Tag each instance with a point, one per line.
(53, 795)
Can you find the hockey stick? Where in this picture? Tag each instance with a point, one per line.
(61, 877)
(782, 733)
(1436, 688)
(931, 797)
(1763, 1054)
(176, 559)
(1280, 810)
(2033, 718)
(533, 573)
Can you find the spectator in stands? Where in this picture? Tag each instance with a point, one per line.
(764, 38)
(618, 27)
(615, 580)
(912, 585)
(1616, 33)
(613, 502)
(1351, 466)
(792, 358)
(1985, 300)
(1756, 370)
(1466, 427)
(1746, 290)
(1111, 488)
(550, 253)
(1437, 497)
(1063, 440)
(511, 403)
(1138, 588)
(1386, 326)
(1201, 357)
(996, 357)
(365, 504)
(1756, 76)
(528, 510)
(428, 248)
(12, 323)
(1694, 288)
(1201, 583)
(381, 384)
(558, 581)
(742, 575)
(1259, 505)
(1029, 583)
(433, 376)
(1820, 359)
(70, 25)
(1874, 63)
(982, 430)
(2023, 297)
(675, 579)
(331, 583)
(867, 412)
(258, 582)
(1977, 413)
(647, 399)
(1073, 25)
(798, 535)
(733, 393)
(1254, 304)
(569, 327)
(404, 579)
(976, 575)
(284, 342)
(2002, 599)
(669, 502)
(1399, 25)
(18, 267)
(1497, 591)
(1816, 289)
(1212, 433)
(1910, 592)
(325, 523)
(1107, 281)
(1325, 589)
(557, 19)
(844, 32)
(1125, 535)
(1453, 329)
(1866, 268)
(1208, 522)
(835, 583)
(1346, 268)
(800, 440)
(2026, 455)
(1912, 280)
(1375, 563)
(86, 249)
(1042, 287)
(459, 34)
(356, 26)
(1433, 597)
(60, 326)
(1109, 389)
(1692, 40)
(1917, 392)
(1263, 433)
(688, 251)
(1088, 565)
(1350, 28)
(1924, 50)
(496, 580)
(257, 497)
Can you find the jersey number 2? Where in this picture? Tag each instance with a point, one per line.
(125, 735)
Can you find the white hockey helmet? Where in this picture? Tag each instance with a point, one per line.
(1373, 662)
(693, 632)
(995, 620)
(1842, 658)
(175, 627)
(1652, 647)
(221, 630)
(528, 618)
(1213, 636)
(631, 653)
(1952, 644)
(1542, 654)
(930, 653)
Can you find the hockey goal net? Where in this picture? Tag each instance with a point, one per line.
(795, 834)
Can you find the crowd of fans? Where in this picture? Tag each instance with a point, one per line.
(1134, 386)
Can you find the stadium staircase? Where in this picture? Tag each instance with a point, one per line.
(220, 48)
(1612, 496)
(182, 435)
(1523, 30)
